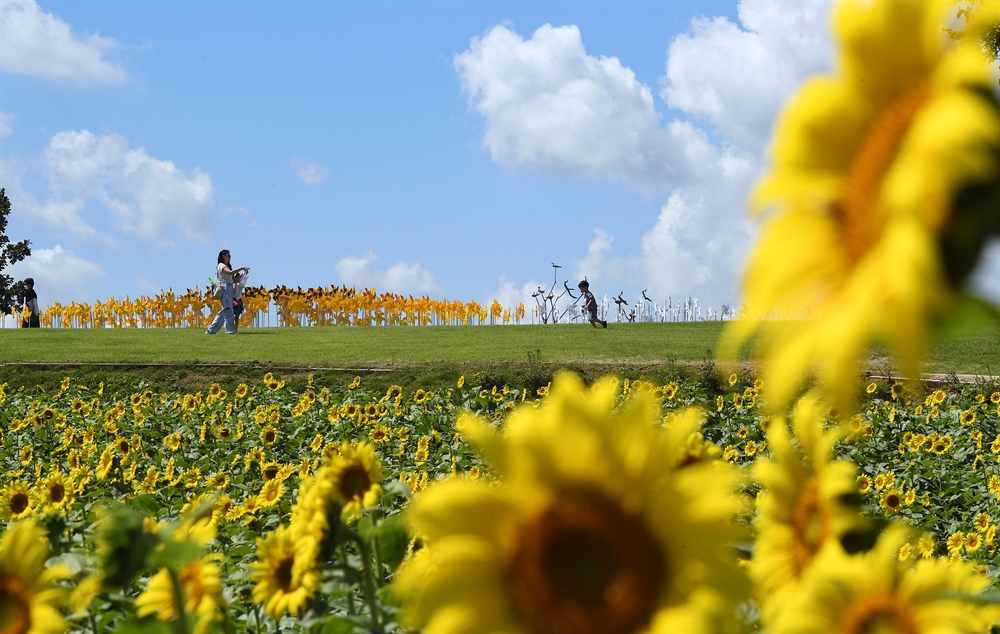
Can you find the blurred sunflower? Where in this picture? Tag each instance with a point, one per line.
(16, 501)
(29, 599)
(200, 586)
(982, 522)
(871, 234)
(356, 476)
(277, 587)
(269, 435)
(802, 505)
(874, 592)
(54, 492)
(589, 530)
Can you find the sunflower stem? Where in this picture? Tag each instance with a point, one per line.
(350, 595)
(369, 584)
(180, 625)
(93, 621)
(379, 576)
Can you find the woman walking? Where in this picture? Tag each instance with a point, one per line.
(225, 277)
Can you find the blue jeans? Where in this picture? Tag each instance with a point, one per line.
(225, 316)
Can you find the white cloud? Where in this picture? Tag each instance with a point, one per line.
(510, 295)
(6, 124)
(312, 174)
(549, 105)
(738, 76)
(147, 197)
(593, 265)
(402, 278)
(41, 44)
(58, 273)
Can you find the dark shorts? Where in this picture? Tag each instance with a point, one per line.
(237, 308)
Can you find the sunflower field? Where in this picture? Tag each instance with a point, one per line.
(793, 499)
(264, 509)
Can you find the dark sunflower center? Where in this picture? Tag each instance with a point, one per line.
(270, 473)
(283, 573)
(354, 481)
(585, 566)
(893, 500)
(15, 610)
(878, 614)
(56, 493)
(18, 503)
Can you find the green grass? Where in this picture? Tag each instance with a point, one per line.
(367, 347)
(409, 356)
(387, 347)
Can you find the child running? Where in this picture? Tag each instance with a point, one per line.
(590, 304)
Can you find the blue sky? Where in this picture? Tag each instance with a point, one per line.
(453, 149)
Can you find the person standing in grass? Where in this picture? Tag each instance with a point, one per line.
(590, 304)
(31, 304)
(224, 274)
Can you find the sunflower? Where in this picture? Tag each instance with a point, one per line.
(241, 390)
(16, 501)
(200, 585)
(123, 446)
(982, 522)
(271, 493)
(589, 530)
(269, 435)
(277, 587)
(217, 481)
(875, 592)
(380, 434)
(864, 483)
(29, 599)
(356, 475)
(27, 455)
(395, 392)
(864, 182)
(802, 506)
(55, 491)
(956, 541)
(973, 542)
(967, 417)
(891, 500)
(927, 545)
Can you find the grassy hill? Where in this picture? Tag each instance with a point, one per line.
(406, 355)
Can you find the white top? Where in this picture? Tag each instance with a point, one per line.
(239, 286)
(223, 278)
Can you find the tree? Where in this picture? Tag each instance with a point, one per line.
(10, 253)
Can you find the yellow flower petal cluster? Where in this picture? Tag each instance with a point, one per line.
(29, 600)
(590, 529)
(277, 587)
(801, 508)
(875, 592)
(200, 586)
(867, 165)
